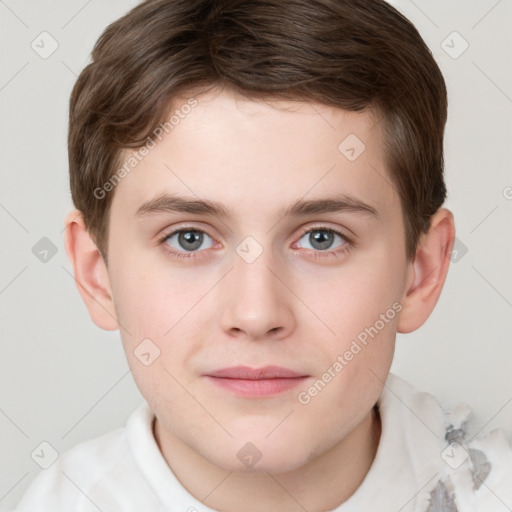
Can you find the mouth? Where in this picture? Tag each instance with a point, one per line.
(256, 382)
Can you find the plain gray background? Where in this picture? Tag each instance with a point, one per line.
(63, 380)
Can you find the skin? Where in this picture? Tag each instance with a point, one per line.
(288, 307)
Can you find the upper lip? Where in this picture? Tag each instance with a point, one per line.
(247, 373)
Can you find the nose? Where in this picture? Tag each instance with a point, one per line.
(257, 304)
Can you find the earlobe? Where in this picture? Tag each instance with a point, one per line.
(428, 272)
(90, 272)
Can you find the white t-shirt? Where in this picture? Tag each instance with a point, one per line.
(424, 463)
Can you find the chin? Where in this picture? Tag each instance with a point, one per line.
(263, 456)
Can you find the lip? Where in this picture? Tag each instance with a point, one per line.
(256, 382)
(247, 373)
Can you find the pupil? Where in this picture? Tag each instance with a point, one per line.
(190, 240)
(321, 239)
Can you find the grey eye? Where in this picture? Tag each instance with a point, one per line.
(187, 240)
(322, 239)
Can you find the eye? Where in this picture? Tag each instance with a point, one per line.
(323, 239)
(188, 240)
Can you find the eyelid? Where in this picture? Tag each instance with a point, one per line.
(168, 233)
(182, 254)
(324, 227)
(188, 227)
(327, 254)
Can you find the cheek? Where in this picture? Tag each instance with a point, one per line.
(162, 314)
(360, 303)
(151, 300)
(355, 363)
(354, 297)
(159, 320)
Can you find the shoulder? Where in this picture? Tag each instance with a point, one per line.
(473, 473)
(478, 471)
(98, 470)
(67, 481)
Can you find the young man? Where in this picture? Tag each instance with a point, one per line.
(259, 190)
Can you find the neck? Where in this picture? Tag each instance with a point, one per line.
(322, 483)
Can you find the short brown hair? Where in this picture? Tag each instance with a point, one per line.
(350, 54)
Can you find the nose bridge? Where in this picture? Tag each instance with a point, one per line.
(256, 302)
(256, 279)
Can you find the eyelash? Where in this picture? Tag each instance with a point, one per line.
(341, 251)
(337, 253)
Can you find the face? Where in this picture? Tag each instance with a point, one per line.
(257, 264)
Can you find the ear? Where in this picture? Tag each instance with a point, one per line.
(428, 272)
(90, 271)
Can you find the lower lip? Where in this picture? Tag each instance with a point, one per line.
(257, 388)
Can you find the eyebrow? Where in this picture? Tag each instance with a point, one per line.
(166, 203)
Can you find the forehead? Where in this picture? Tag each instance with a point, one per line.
(260, 155)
